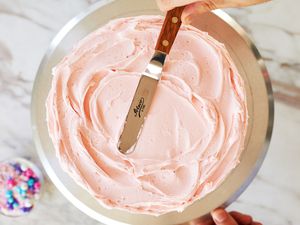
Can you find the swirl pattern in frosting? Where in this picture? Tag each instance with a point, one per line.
(192, 137)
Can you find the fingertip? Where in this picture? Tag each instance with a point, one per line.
(186, 20)
(205, 221)
(247, 219)
(219, 215)
(196, 8)
(256, 223)
(186, 16)
(241, 218)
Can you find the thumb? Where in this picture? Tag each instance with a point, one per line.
(221, 217)
(195, 9)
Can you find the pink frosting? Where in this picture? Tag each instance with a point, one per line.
(192, 137)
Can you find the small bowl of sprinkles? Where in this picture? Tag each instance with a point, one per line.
(20, 186)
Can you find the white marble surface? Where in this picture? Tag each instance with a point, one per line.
(26, 28)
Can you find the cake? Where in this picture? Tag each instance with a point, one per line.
(192, 137)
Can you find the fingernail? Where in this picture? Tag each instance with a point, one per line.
(187, 20)
(220, 215)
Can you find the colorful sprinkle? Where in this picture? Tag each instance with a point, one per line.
(22, 192)
(27, 203)
(10, 200)
(20, 187)
(26, 209)
(11, 183)
(15, 205)
(23, 167)
(28, 173)
(24, 186)
(30, 182)
(23, 177)
(37, 185)
(17, 168)
(10, 206)
(9, 193)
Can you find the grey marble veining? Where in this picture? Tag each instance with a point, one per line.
(275, 29)
(26, 29)
(273, 24)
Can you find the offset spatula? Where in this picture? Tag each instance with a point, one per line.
(146, 88)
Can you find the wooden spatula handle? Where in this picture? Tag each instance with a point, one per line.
(169, 30)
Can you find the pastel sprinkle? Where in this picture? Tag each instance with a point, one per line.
(24, 186)
(10, 206)
(19, 188)
(30, 182)
(23, 192)
(23, 177)
(26, 209)
(17, 168)
(27, 203)
(10, 200)
(23, 167)
(15, 204)
(9, 193)
(28, 173)
(11, 183)
(37, 185)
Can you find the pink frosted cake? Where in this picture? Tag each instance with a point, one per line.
(193, 135)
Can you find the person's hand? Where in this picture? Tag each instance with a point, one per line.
(221, 217)
(201, 6)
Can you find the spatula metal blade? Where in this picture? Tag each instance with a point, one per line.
(137, 112)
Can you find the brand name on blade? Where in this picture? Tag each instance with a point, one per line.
(139, 108)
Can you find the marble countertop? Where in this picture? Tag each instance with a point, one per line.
(26, 29)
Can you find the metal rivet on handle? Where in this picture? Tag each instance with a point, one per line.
(165, 43)
(174, 19)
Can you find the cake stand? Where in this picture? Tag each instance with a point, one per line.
(259, 102)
